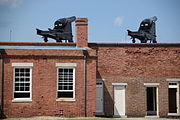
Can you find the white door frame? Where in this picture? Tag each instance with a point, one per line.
(177, 93)
(157, 96)
(102, 111)
(120, 85)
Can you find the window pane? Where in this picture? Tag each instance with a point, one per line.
(70, 87)
(27, 74)
(27, 84)
(26, 88)
(21, 88)
(71, 70)
(60, 88)
(65, 88)
(16, 84)
(16, 70)
(65, 70)
(21, 95)
(16, 79)
(61, 70)
(22, 84)
(21, 79)
(27, 70)
(27, 79)
(22, 70)
(65, 94)
(16, 88)
(17, 74)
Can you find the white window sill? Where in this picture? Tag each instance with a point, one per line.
(173, 114)
(65, 100)
(21, 100)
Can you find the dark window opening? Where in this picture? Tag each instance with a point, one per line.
(21, 95)
(65, 94)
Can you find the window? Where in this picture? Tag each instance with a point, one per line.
(22, 83)
(66, 82)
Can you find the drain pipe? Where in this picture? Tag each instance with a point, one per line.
(85, 53)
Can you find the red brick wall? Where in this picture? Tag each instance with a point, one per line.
(136, 64)
(81, 32)
(44, 78)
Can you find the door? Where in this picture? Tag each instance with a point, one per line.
(99, 98)
(173, 97)
(151, 101)
(172, 100)
(119, 100)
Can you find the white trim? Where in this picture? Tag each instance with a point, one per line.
(173, 114)
(66, 99)
(173, 86)
(121, 84)
(22, 100)
(22, 64)
(151, 84)
(173, 79)
(66, 64)
(30, 88)
(124, 87)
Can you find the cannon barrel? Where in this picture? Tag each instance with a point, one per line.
(62, 30)
(71, 19)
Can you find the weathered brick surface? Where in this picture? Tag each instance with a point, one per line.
(82, 32)
(44, 86)
(136, 64)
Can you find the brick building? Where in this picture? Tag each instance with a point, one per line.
(88, 79)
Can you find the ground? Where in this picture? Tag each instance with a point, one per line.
(91, 118)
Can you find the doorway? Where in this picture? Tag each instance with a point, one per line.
(119, 101)
(99, 98)
(151, 100)
(173, 97)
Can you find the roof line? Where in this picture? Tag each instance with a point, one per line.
(38, 43)
(134, 44)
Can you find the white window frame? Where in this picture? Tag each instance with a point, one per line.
(71, 66)
(22, 65)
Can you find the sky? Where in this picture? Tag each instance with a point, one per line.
(108, 20)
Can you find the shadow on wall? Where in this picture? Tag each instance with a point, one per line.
(108, 99)
(2, 53)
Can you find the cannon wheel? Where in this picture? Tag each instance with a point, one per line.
(133, 40)
(154, 41)
(45, 39)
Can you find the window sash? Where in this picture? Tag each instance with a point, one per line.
(65, 90)
(22, 92)
(27, 74)
(67, 78)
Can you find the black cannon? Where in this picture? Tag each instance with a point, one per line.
(62, 30)
(146, 31)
